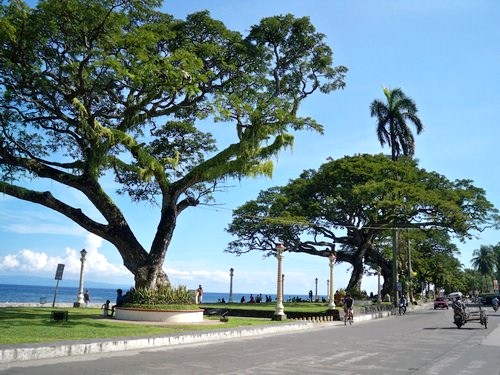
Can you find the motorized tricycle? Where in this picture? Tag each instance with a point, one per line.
(464, 315)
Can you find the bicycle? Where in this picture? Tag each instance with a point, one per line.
(402, 309)
(348, 317)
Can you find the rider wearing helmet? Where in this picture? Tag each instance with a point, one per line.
(458, 305)
(348, 302)
(495, 303)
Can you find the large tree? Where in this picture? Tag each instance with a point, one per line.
(114, 88)
(350, 202)
(393, 117)
(433, 259)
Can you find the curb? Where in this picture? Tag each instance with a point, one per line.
(62, 349)
(30, 352)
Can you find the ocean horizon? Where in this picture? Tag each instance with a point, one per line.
(47, 295)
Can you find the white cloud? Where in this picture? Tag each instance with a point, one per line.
(10, 261)
(96, 267)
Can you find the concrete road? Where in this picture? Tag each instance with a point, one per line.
(421, 342)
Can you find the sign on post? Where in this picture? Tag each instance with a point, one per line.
(59, 275)
(59, 272)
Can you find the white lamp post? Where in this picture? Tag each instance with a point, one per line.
(231, 272)
(279, 313)
(80, 300)
(331, 304)
(379, 291)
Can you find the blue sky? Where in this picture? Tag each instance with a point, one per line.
(445, 55)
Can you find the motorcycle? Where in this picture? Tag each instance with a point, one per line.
(459, 317)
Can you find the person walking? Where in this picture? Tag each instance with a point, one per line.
(199, 295)
(86, 298)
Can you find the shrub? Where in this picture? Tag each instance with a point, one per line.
(357, 294)
(166, 295)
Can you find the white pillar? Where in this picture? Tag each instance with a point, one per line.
(279, 313)
(331, 304)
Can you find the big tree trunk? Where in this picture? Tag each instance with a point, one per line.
(356, 274)
(149, 273)
(150, 276)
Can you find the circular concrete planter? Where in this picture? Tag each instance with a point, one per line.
(165, 316)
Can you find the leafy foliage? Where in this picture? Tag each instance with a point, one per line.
(164, 295)
(116, 89)
(350, 202)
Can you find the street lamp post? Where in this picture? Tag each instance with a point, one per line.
(379, 291)
(80, 300)
(331, 304)
(279, 313)
(316, 290)
(231, 273)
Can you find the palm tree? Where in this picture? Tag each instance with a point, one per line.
(496, 256)
(392, 118)
(393, 130)
(484, 261)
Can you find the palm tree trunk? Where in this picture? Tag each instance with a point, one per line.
(395, 240)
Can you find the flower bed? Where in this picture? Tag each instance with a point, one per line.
(165, 316)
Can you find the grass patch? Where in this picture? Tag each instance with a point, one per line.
(23, 325)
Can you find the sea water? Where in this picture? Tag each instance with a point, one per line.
(38, 294)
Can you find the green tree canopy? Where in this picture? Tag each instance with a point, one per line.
(351, 202)
(100, 88)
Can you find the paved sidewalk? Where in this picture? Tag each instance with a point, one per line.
(28, 352)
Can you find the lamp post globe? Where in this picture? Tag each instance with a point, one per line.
(279, 313)
(80, 299)
(331, 304)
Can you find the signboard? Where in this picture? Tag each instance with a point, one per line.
(59, 272)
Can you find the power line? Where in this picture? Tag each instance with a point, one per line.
(287, 221)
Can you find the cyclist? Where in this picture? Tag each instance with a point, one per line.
(402, 305)
(348, 303)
